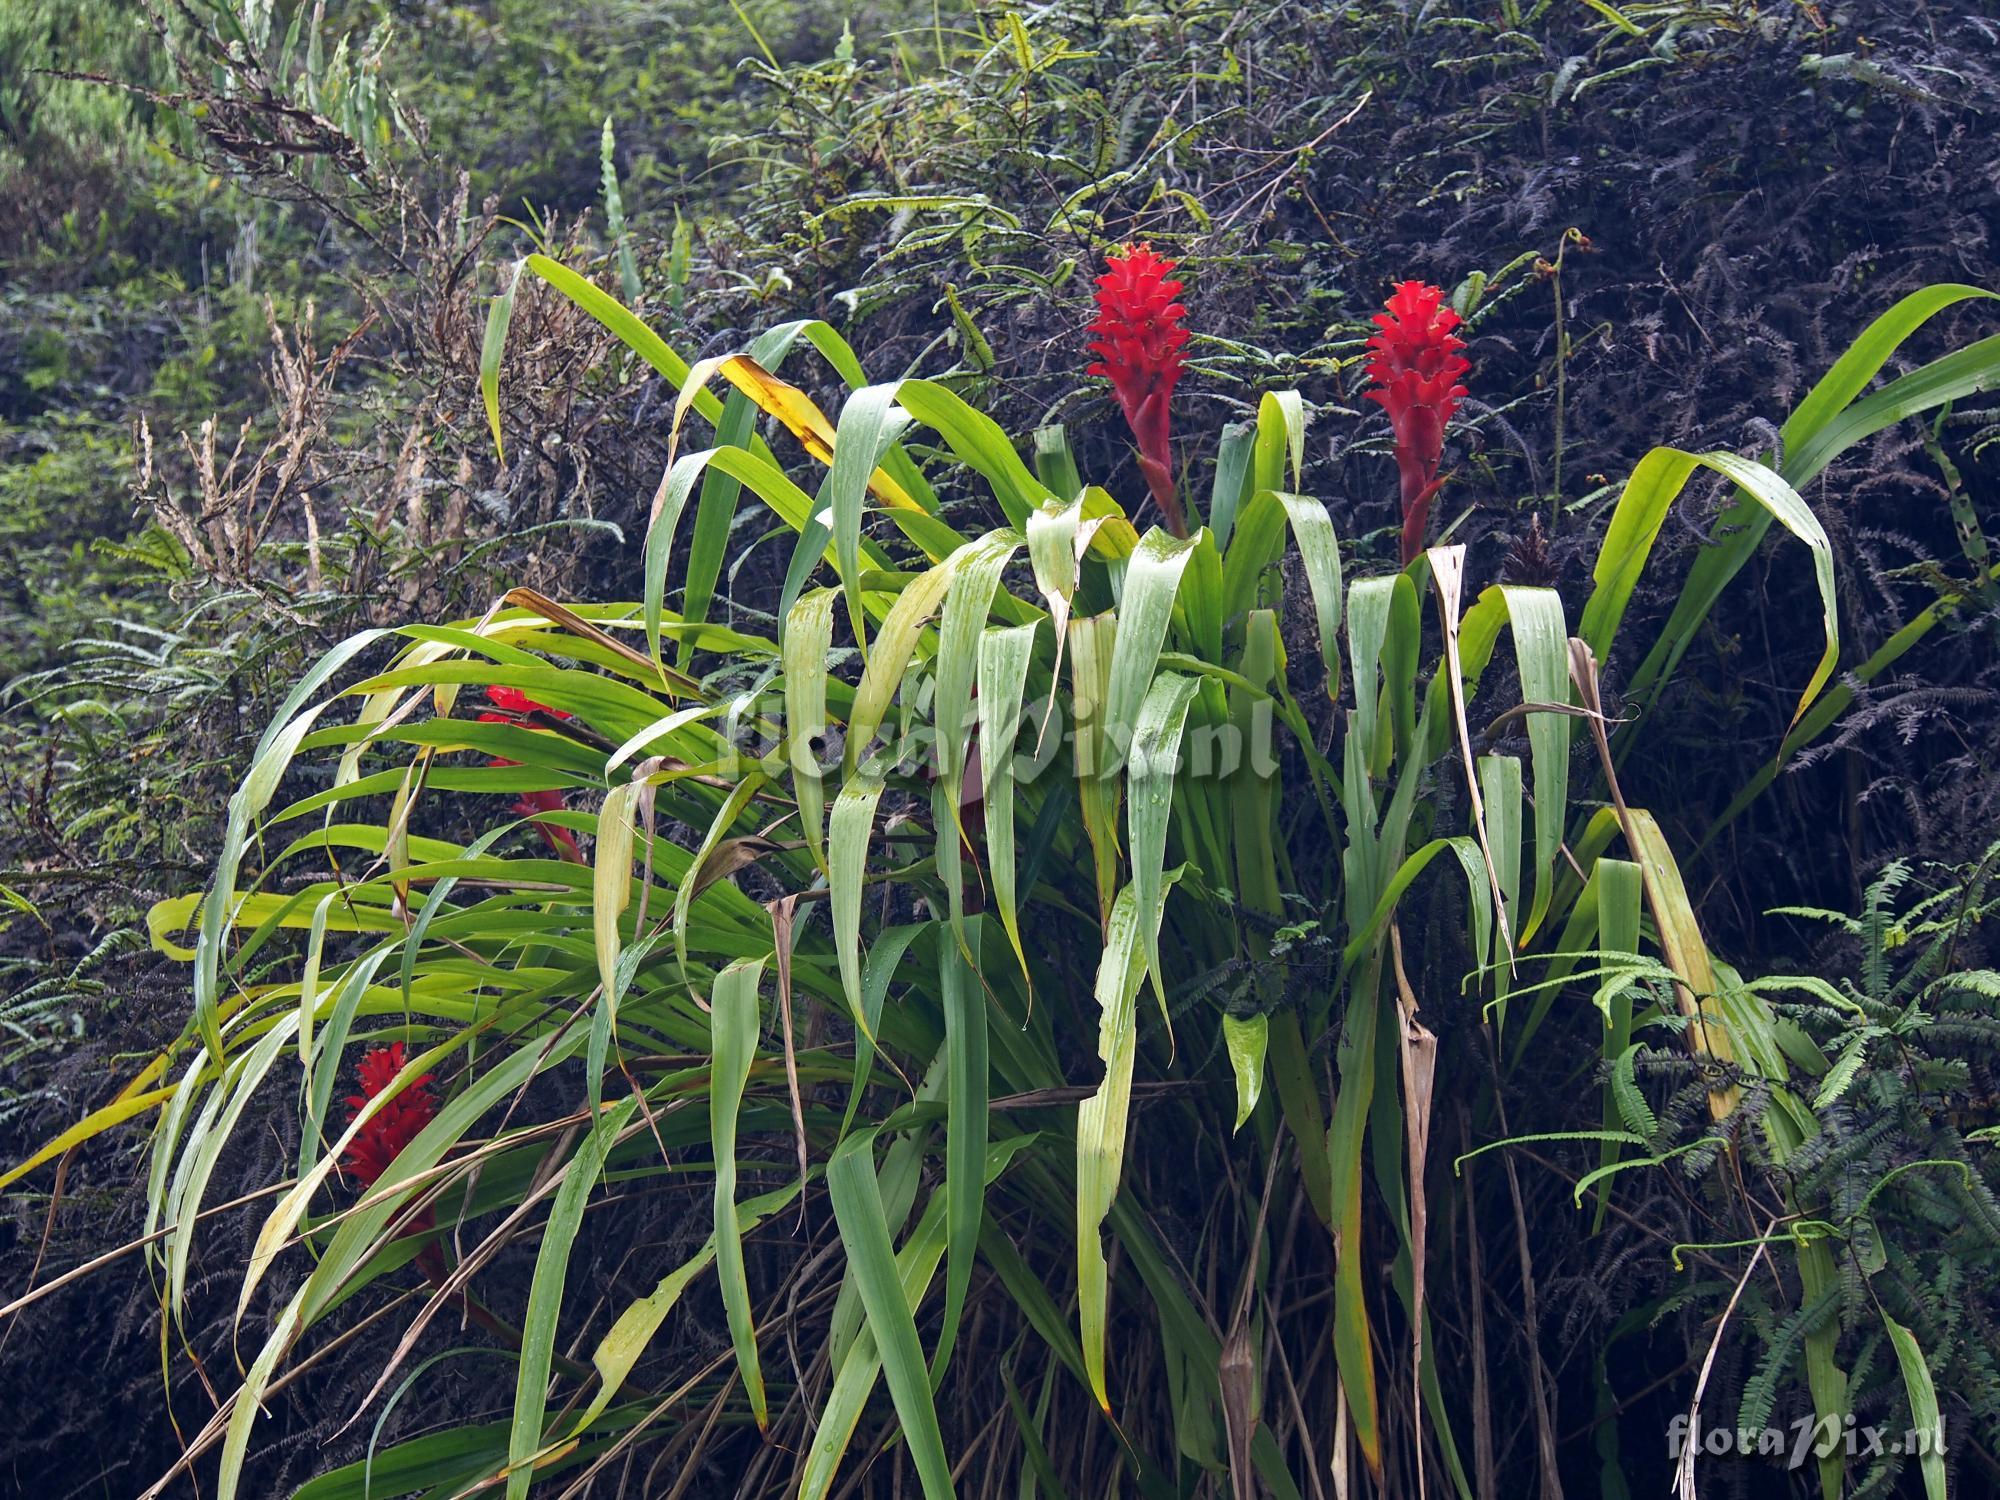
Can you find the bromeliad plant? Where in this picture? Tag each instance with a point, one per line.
(1006, 901)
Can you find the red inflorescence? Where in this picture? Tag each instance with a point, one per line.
(1138, 340)
(517, 704)
(392, 1127)
(1416, 368)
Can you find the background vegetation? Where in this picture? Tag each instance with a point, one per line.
(240, 415)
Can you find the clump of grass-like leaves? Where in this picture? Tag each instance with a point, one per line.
(1043, 1001)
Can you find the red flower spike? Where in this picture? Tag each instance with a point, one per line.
(1138, 339)
(559, 838)
(517, 705)
(393, 1126)
(1416, 367)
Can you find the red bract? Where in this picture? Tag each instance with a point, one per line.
(517, 704)
(393, 1126)
(1137, 339)
(1415, 366)
(559, 838)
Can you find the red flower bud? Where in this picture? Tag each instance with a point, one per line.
(1415, 365)
(1137, 339)
(393, 1126)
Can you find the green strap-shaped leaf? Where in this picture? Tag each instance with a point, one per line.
(1233, 456)
(960, 629)
(847, 865)
(1369, 601)
(173, 1120)
(448, 1461)
(1837, 701)
(963, 999)
(1541, 649)
(867, 419)
(856, 1373)
(1055, 461)
(1052, 532)
(1929, 1422)
(764, 479)
(871, 1261)
(718, 830)
(810, 548)
(884, 954)
(1500, 796)
(713, 514)
(1363, 942)
(1247, 575)
(734, 1021)
(1200, 605)
(348, 993)
(1281, 435)
(309, 975)
(1312, 532)
(1100, 1126)
(720, 490)
(1258, 541)
(1251, 789)
(1156, 749)
(902, 1171)
(1620, 892)
(860, 1364)
(1823, 425)
(538, 1328)
(499, 317)
(611, 877)
(1399, 673)
(1100, 786)
(1963, 372)
(1820, 1278)
(625, 326)
(1635, 524)
(1052, 529)
(1541, 638)
(1246, 1038)
(1864, 358)
(979, 442)
(1152, 578)
(894, 647)
(1003, 676)
(808, 640)
(212, 1130)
